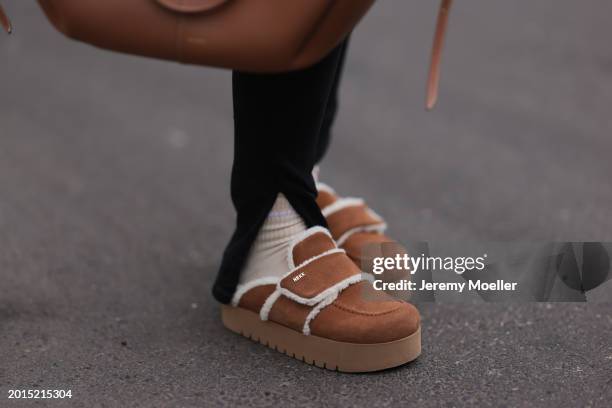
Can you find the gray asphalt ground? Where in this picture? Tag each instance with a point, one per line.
(114, 210)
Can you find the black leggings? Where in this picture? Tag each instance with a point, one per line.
(282, 127)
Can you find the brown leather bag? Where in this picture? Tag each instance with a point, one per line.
(249, 35)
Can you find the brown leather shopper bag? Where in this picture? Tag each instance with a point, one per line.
(247, 35)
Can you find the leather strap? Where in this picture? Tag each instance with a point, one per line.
(351, 216)
(325, 197)
(310, 247)
(5, 22)
(433, 82)
(318, 279)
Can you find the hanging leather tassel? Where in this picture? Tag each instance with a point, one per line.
(433, 82)
(4, 21)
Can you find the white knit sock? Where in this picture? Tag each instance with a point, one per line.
(268, 256)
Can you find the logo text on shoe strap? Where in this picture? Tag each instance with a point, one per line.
(299, 276)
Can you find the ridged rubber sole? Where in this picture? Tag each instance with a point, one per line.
(319, 351)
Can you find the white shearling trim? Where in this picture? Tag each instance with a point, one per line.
(341, 204)
(367, 277)
(314, 258)
(267, 306)
(337, 288)
(316, 170)
(316, 310)
(244, 288)
(374, 214)
(325, 188)
(380, 228)
(301, 237)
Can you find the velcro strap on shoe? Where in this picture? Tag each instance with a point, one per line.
(313, 242)
(319, 278)
(350, 215)
(326, 195)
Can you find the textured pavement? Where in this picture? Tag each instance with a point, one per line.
(114, 209)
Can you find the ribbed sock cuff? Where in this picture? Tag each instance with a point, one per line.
(283, 223)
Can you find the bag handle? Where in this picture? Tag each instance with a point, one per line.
(5, 22)
(433, 83)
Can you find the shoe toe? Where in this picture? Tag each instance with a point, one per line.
(360, 316)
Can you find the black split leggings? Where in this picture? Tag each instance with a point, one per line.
(282, 127)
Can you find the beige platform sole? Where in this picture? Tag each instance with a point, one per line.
(319, 351)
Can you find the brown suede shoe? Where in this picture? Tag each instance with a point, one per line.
(352, 224)
(323, 313)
